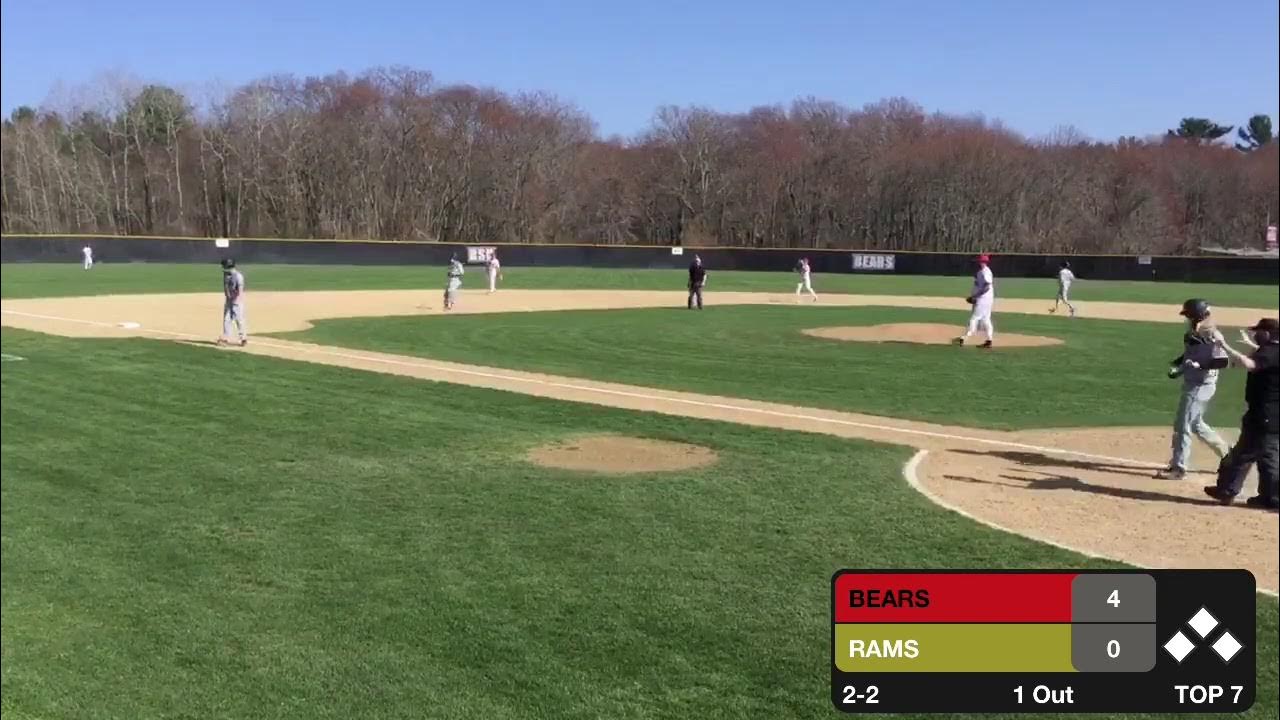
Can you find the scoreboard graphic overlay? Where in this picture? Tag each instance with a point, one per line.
(1154, 641)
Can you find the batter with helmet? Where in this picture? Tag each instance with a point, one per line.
(1198, 367)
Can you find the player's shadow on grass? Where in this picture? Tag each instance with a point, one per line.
(1039, 460)
(1063, 482)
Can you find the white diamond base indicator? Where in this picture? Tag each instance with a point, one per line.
(1203, 622)
(1179, 646)
(1227, 646)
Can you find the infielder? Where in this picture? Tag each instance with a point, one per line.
(233, 303)
(456, 271)
(982, 298)
(806, 282)
(88, 257)
(1198, 366)
(1065, 278)
(697, 281)
(494, 269)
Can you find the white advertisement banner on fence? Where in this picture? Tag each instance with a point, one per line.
(479, 255)
(873, 263)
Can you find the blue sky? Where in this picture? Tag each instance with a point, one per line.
(1124, 67)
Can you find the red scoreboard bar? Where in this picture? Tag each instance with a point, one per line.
(951, 597)
(1043, 641)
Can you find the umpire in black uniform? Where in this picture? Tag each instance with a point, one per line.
(1260, 429)
(697, 279)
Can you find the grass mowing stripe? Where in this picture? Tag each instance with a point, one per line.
(221, 535)
(51, 280)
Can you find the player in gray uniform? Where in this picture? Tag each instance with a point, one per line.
(1065, 278)
(1198, 367)
(233, 303)
(456, 271)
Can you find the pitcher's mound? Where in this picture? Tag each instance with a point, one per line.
(616, 454)
(923, 334)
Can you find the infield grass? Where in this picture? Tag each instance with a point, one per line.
(189, 533)
(1107, 373)
(49, 280)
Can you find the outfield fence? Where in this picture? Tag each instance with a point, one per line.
(123, 249)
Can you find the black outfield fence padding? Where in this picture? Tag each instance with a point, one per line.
(117, 249)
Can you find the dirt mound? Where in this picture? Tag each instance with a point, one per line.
(1114, 509)
(922, 334)
(617, 455)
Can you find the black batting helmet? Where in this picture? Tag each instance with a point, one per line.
(1195, 309)
(228, 263)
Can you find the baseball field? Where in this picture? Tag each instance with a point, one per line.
(572, 498)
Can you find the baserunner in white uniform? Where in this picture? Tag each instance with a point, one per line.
(454, 283)
(806, 280)
(494, 270)
(1065, 278)
(88, 257)
(233, 303)
(983, 299)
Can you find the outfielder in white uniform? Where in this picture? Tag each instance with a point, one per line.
(233, 303)
(88, 257)
(806, 281)
(456, 271)
(1065, 278)
(494, 269)
(983, 298)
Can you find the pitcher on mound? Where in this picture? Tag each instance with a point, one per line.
(982, 298)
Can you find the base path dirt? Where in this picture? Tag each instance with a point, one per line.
(620, 455)
(1090, 490)
(922, 334)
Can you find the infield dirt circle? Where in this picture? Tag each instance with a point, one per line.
(620, 455)
(922, 334)
(1090, 490)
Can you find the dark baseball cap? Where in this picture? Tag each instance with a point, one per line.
(1270, 325)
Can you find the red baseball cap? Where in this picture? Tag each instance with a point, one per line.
(984, 259)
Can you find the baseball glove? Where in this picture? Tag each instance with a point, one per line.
(969, 300)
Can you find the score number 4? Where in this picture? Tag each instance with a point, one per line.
(852, 696)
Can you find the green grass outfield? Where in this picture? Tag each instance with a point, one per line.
(217, 535)
(44, 280)
(1107, 372)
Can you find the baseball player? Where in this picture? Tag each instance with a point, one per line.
(88, 257)
(233, 303)
(806, 282)
(697, 281)
(494, 270)
(1065, 278)
(982, 298)
(1198, 366)
(456, 271)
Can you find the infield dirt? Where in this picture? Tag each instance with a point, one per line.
(1090, 489)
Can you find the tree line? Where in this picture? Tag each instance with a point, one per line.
(391, 154)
